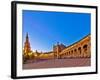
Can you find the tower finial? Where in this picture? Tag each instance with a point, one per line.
(27, 35)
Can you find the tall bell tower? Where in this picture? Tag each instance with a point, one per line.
(27, 47)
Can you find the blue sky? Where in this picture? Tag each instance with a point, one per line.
(47, 28)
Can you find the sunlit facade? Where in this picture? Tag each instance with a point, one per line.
(80, 49)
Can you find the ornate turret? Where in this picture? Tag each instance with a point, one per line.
(27, 47)
(57, 49)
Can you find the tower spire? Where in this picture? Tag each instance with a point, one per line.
(27, 34)
(27, 47)
(27, 39)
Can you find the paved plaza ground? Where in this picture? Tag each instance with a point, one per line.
(57, 63)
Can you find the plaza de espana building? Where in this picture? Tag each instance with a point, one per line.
(80, 49)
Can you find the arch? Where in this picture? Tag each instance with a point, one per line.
(69, 54)
(79, 49)
(85, 47)
(71, 51)
(75, 50)
(65, 53)
(85, 50)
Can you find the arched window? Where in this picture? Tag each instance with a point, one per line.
(75, 50)
(85, 47)
(79, 49)
(72, 51)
